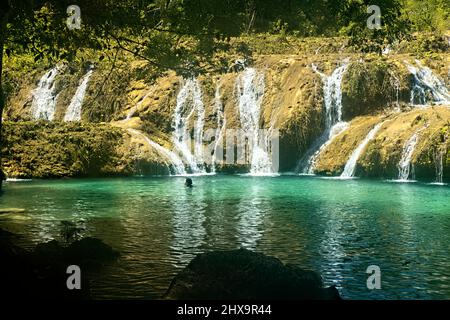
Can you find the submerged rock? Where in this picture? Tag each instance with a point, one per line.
(49, 251)
(91, 249)
(88, 253)
(243, 274)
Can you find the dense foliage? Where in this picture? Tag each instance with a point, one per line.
(169, 32)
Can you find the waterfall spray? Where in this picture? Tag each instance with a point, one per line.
(350, 166)
(73, 112)
(44, 98)
(189, 101)
(221, 125)
(427, 87)
(176, 165)
(250, 90)
(439, 164)
(333, 116)
(404, 166)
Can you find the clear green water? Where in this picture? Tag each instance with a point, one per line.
(335, 227)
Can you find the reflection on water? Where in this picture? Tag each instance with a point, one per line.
(251, 210)
(188, 225)
(335, 227)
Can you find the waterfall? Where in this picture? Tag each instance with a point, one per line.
(189, 101)
(44, 98)
(333, 116)
(439, 163)
(250, 90)
(404, 166)
(73, 112)
(427, 87)
(176, 165)
(350, 166)
(221, 125)
(396, 85)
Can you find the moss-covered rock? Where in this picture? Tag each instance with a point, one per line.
(53, 150)
(332, 160)
(382, 154)
(372, 85)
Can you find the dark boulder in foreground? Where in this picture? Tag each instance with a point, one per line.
(91, 250)
(243, 274)
(86, 252)
(42, 273)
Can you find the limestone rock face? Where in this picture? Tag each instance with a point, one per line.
(372, 86)
(243, 274)
(293, 102)
(382, 155)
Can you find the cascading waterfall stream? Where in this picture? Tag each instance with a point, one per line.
(333, 116)
(396, 85)
(250, 90)
(189, 101)
(404, 166)
(439, 163)
(44, 98)
(221, 125)
(176, 165)
(73, 112)
(350, 166)
(427, 88)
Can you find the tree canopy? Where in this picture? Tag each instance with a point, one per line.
(153, 29)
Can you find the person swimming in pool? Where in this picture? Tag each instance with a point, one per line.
(188, 183)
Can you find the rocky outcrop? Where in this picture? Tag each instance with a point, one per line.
(373, 87)
(243, 274)
(382, 155)
(55, 150)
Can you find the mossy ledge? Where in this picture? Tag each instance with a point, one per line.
(55, 150)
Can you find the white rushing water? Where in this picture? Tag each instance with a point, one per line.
(221, 125)
(439, 163)
(350, 166)
(333, 116)
(427, 88)
(190, 103)
(250, 91)
(404, 166)
(176, 165)
(44, 96)
(73, 112)
(396, 85)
